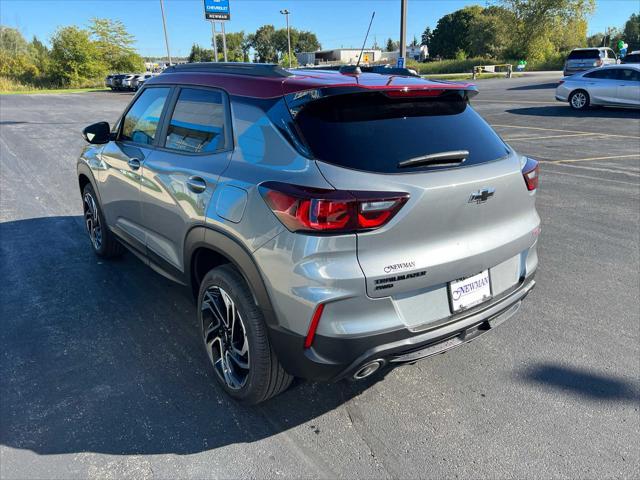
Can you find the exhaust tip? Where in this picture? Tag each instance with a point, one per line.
(368, 369)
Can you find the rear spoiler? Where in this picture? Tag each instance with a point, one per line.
(297, 100)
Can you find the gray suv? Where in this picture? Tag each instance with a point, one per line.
(330, 224)
(582, 59)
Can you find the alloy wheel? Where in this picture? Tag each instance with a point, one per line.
(578, 100)
(225, 337)
(92, 220)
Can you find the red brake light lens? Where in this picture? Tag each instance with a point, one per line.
(406, 93)
(305, 209)
(530, 172)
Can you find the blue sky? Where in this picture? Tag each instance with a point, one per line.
(338, 23)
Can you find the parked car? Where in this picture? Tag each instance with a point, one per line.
(581, 59)
(613, 85)
(117, 81)
(108, 81)
(328, 226)
(127, 80)
(138, 80)
(633, 57)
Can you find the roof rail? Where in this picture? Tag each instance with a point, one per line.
(232, 68)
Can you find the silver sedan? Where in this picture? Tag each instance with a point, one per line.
(613, 85)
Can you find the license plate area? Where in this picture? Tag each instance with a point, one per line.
(468, 292)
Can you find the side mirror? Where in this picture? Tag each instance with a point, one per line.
(97, 133)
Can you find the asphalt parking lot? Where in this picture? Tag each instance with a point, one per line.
(102, 374)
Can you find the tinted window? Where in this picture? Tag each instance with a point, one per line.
(141, 121)
(632, 58)
(370, 131)
(627, 75)
(604, 74)
(582, 54)
(197, 123)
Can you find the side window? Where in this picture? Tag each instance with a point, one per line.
(627, 75)
(141, 121)
(197, 124)
(603, 74)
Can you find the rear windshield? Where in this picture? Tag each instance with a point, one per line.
(372, 132)
(581, 54)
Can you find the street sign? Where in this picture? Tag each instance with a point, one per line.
(400, 63)
(217, 10)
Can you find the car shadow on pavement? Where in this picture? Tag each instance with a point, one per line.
(583, 383)
(536, 86)
(105, 356)
(567, 111)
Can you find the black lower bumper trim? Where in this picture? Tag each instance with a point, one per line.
(332, 359)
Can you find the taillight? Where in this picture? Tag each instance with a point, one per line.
(306, 209)
(530, 173)
(406, 93)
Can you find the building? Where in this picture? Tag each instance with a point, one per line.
(349, 56)
(346, 56)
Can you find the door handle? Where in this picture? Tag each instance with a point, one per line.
(134, 163)
(196, 184)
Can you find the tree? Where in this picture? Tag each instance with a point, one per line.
(595, 40)
(426, 37)
(307, 42)
(414, 42)
(451, 35)
(199, 54)
(391, 45)
(540, 24)
(115, 45)
(15, 56)
(631, 32)
(75, 57)
(489, 32)
(262, 43)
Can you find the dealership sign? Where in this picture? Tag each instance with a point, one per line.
(217, 10)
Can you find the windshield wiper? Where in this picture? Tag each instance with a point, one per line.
(433, 159)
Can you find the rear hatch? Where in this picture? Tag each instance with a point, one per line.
(583, 59)
(462, 217)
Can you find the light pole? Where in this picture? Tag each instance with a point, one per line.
(286, 13)
(403, 29)
(166, 37)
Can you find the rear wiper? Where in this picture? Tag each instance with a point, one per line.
(433, 159)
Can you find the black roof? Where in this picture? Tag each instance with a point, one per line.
(233, 68)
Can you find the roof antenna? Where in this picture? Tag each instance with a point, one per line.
(355, 69)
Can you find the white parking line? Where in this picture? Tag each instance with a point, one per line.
(567, 131)
(514, 102)
(633, 155)
(600, 169)
(597, 179)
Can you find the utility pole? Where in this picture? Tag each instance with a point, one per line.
(214, 41)
(403, 29)
(286, 13)
(224, 41)
(166, 37)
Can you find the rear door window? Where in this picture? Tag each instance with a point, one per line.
(140, 123)
(372, 132)
(197, 124)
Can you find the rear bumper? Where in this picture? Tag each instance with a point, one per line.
(332, 359)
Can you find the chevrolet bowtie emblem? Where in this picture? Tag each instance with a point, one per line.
(482, 195)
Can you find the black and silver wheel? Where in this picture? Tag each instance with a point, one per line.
(579, 100)
(235, 338)
(103, 241)
(225, 337)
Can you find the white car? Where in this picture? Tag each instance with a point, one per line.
(611, 85)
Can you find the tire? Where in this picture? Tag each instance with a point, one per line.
(579, 100)
(104, 242)
(250, 371)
